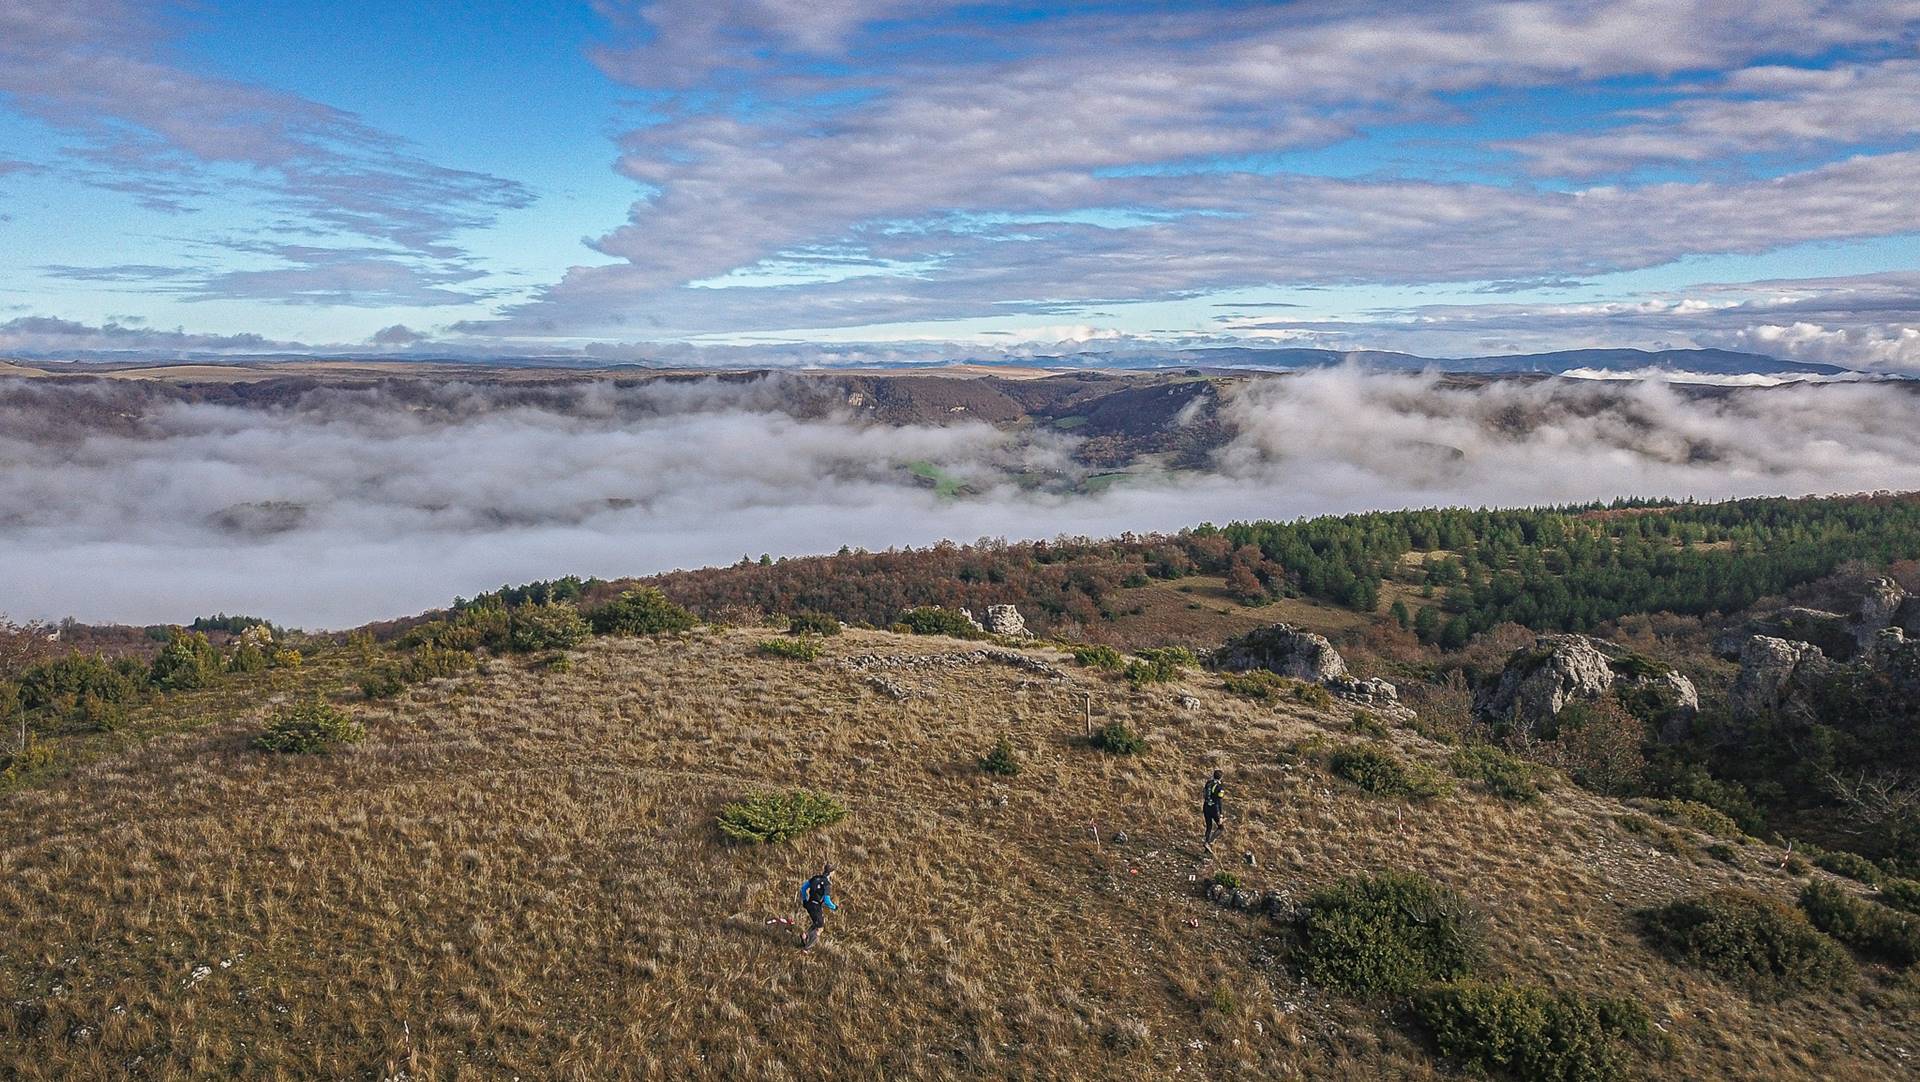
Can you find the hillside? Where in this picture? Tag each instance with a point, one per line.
(517, 874)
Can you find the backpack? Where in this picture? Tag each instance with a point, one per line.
(807, 892)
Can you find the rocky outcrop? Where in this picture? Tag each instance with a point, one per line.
(1775, 676)
(1286, 650)
(1542, 680)
(1006, 620)
(1880, 604)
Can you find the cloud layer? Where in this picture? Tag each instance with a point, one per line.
(353, 505)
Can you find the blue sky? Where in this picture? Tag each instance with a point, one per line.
(721, 181)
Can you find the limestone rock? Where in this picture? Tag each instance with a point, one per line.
(1286, 650)
(1006, 620)
(1772, 671)
(1539, 682)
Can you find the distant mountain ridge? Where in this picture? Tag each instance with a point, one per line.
(1719, 362)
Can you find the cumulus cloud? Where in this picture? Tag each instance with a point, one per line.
(349, 505)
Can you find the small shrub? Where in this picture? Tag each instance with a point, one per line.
(1871, 929)
(1312, 695)
(1366, 724)
(1256, 684)
(1496, 772)
(1159, 666)
(1227, 879)
(1379, 771)
(286, 658)
(645, 611)
(775, 817)
(1001, 759)
(385, 682)
(1533, 1033)
(1748, 939)
(1702, 818)
(1902, 894)
(37, 755)
(308, 728)
(1115, 738)
(1724, 853)
(1667, 838)
(432, 662)
(1104, 658)
(812, 623)
(553, 626)
(485, 626)
(796, 649)
(187, 661)
(1851, 865)
(934, 620)
(1387, 934)
(248, 657)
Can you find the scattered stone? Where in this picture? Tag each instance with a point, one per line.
(1119, 837)
(1188, 702)
(1251, 860)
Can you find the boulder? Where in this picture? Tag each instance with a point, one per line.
(1880, 602)
(1835, 635)
(1540, 681)
(1283, 649)
(1006, 620)
(1773, 674)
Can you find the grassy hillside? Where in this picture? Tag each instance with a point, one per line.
(517, 873)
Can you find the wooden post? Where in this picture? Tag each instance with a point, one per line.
(1089, 698)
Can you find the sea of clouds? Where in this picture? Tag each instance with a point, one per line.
(350, 506)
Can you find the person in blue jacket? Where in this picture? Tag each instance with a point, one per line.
(816, 897)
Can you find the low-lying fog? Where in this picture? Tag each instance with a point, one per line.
(356, 505)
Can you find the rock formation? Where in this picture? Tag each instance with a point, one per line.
(1539, 682)
(1286, 650)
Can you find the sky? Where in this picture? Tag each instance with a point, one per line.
(710, 181)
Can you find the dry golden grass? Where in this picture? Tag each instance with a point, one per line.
(517, 873)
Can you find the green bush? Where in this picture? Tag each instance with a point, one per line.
(249, 657)
(1105, 658)
(1702, 818)
(307, 728)
(432, 662)
(645, 611)
(1874, 930)
(1116, 738)
(775, 817)
(933, 620)
(797, 649)
(1257, 684)
(484, 626)
(812, 623)
(65, 684)
(1496, 772)
(385, 682)
(1748, 939)
(1001, 759)
(1851, 865)
(1387, 934)
(1227, 879)
(1379, 771)
(188, 660)
(1160, 666)
(36, 756)
(1533, 1033)
(553, 626)
(1902, 894)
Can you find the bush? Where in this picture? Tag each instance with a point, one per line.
(933, 620)
(37, 755)
(640, 612)
(1160, 666)
(1533, 1033)
(248, 657)
(64, 684)
(433, 662)
(775, 817)
(1496, 772)
(1851, 865)
(1116, 738)
(187, 661)
(1379, 771)
(797, 649)
(1702, 818)
(1902, 894)
(812, 623)
(285, 658)
(1227, 879)
(1387, 934)
(385, 682)
(308, 728)
(1270, 686)
(553, 626)
(1748, 939)
(1873, 930)
(1001, 759)
(485, 626)
(1105, 658)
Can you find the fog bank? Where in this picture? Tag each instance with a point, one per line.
(363, 505)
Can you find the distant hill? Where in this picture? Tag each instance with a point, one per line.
(1718, 362)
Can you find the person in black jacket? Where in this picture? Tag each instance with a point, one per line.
(1213, 809)
(816, 897)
